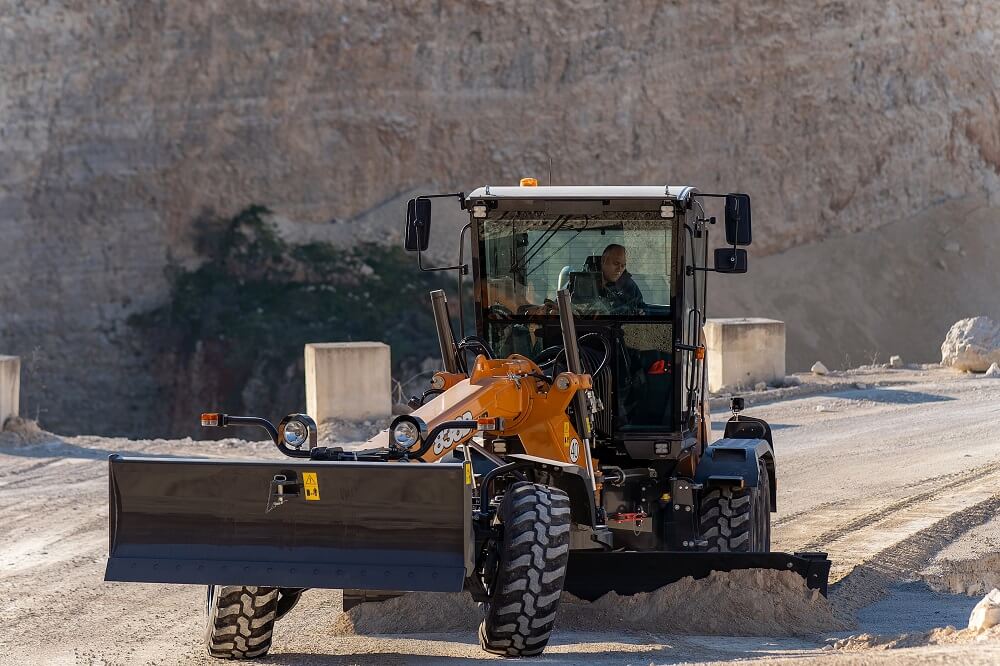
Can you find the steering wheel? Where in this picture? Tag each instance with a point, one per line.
(498, 311)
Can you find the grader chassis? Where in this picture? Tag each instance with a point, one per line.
(569, 442)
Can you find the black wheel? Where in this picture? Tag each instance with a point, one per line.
(530, 572)
(240, 621)
(738, 521)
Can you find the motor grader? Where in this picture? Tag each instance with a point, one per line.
(563, 446)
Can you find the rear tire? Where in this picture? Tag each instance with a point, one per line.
(530, 572)
(738, 521)
(240, 621)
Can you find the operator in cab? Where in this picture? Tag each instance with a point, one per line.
(619, 289)
(616, 290)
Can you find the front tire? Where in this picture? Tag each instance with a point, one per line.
(530, 573)
(738, 521)
(240, 621)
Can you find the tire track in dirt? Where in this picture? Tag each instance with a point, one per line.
(958, 509)
(19, 471)
(830, 514)
(820, 512)
(871, 579)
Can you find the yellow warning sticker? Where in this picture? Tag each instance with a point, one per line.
(468, 474)
(566, 433)
(311, 485)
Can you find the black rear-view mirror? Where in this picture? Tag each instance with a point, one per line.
(418, 224)
(730, 260)
(738, 219)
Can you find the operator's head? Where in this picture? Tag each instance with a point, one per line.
(613, 262)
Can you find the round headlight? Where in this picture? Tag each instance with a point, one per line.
(295, 433)
(405, 435)
(406, 432)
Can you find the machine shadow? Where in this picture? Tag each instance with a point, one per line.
(58, 448)
(720, 426)
(658, 652)
(626, 647)
(894, 396)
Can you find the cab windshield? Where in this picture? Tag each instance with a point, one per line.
(615, 265)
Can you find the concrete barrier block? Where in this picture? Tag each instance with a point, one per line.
(348, 380)
(10, 387)
(742, 352)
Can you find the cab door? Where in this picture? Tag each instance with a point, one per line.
(693, 254)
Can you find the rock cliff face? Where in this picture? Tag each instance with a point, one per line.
(122, 123)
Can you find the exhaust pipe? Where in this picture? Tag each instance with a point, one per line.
(446, 339)
(581, 405)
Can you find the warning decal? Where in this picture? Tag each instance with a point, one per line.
(311, 485)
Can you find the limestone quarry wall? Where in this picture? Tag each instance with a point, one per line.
(121, 123)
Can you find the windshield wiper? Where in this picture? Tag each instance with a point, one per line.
(540, 243)
(556, 251)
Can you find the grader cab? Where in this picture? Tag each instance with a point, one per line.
(564, 445)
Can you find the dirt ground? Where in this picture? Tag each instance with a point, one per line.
(899, 481)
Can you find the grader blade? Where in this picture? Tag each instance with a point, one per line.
(592, 574)
(376, 526)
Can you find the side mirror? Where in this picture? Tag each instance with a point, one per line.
(730, 260)
(738, 219)
(418, 225)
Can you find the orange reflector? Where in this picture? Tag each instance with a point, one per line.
(529, 182)
(209, 419)
(699, 353)
(494, 423)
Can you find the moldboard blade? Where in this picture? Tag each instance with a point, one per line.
(592, 574)
(376, 526)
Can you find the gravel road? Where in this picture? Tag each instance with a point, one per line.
(899, 481)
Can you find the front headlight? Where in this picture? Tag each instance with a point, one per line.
(297, 431)
(295, 434)
(406, 432)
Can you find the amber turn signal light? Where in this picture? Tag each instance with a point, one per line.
(485, 424)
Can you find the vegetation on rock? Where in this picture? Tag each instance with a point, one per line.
(231, 336)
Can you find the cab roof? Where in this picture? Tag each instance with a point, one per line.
(678, 192)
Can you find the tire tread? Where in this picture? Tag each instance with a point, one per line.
(520, 617)
(240, 621)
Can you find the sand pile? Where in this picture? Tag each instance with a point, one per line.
(969, 576)
(414, 613)
(17, 430)
(740, 603)
(942, 636)
(350, 434)
(752, 602)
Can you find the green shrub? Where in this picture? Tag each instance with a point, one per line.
(247, 311)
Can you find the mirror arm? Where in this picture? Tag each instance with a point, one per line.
(463, 268)
(459, 195)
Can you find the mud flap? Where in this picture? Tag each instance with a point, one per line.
(375, 526)
(592, 574)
